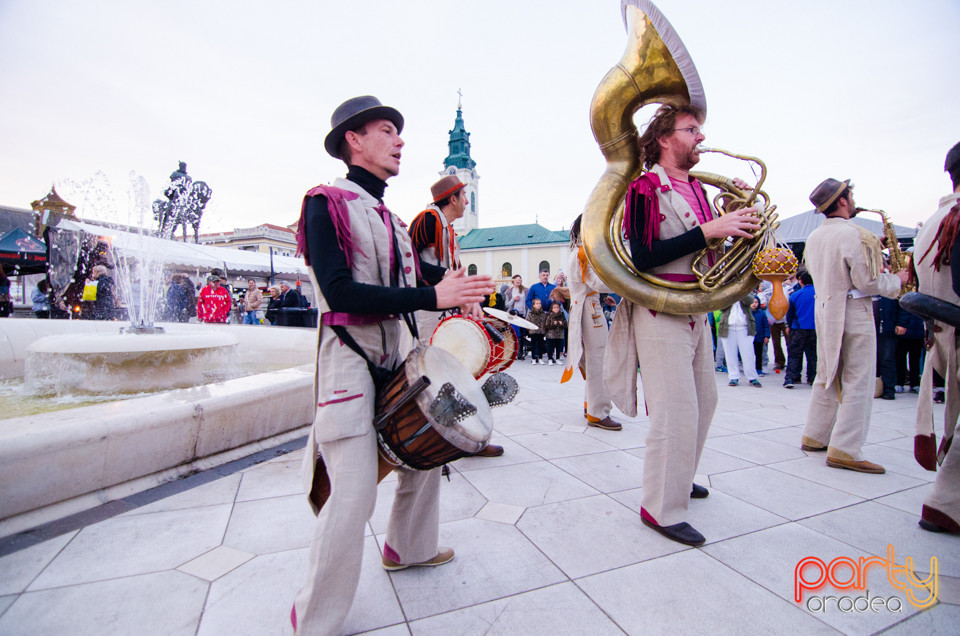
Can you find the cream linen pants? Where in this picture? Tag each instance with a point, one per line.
(738, 339)
(336, 550)
(675, 354)
(843, 425)
(594, 335)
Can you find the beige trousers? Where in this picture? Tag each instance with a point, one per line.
(675, 354)
(843, 425)
(594, 336)
(336, 550)
(945, 495)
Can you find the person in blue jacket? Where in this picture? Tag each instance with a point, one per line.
(762, 336)
(801, 333)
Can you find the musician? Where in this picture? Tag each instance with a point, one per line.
(587, 334)
(938, 274)
(434, 238)
(668, 220)
(435, 241)
(348, 237)
(847, 263)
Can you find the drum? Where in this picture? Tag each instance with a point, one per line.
(467, 339)
(505, 351)
(432, 412)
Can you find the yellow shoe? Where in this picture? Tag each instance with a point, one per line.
(445, 555)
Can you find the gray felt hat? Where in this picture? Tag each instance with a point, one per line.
(353, 114)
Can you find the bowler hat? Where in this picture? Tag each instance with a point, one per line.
(827, 192)
(354, 113)
(446, 187)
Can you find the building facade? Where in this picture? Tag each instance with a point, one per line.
(262, 238)
(505, 251)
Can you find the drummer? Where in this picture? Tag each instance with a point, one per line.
(435, 240)
(347, 237)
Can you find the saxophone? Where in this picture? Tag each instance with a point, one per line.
(898, 260)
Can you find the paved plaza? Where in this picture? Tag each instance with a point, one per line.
(548, 538)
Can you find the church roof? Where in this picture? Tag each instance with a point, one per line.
(512, 235)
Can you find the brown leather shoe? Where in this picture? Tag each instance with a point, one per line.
(607, 424)
(490, 450)
(445, 555)
(811, 445)
(862, 466)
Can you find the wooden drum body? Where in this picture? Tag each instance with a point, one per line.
(432, 412)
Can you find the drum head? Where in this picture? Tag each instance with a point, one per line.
(513, 320)
(451, 381)
(466, 340)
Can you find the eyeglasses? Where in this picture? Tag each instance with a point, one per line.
(693, 130)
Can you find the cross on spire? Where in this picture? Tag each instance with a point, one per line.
(459, 99)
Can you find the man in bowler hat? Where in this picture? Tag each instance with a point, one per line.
(362, 262)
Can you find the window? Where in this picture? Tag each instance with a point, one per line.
(506, 270)
(472, 270)
(544, 265)
(473, 202)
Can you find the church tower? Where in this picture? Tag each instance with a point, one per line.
(459, 163)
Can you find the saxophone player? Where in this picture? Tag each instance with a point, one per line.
(847, 263)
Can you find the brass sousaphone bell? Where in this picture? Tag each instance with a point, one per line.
(656, 69)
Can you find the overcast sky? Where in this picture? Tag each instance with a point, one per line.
(243, 91)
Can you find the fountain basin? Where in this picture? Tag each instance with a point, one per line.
(123, 363)
(59, 463)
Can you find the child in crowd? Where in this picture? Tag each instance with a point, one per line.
(762, 337)
(554, 327)
(537, 316)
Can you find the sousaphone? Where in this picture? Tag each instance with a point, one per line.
(656, 69)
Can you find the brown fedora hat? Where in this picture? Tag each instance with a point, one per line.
(353, 114)
(448, 186)
(827, 192)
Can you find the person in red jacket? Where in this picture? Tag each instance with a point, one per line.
(213, 305)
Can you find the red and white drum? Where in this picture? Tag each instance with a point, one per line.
(482, 346)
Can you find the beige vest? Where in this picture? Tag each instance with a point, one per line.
(447, 260)
(676, 217)
(372, 243)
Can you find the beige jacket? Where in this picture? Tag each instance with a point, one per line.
(842, 256)
(253, 300)
(943, 357)
(583, 284)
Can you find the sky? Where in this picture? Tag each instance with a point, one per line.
(94, 91)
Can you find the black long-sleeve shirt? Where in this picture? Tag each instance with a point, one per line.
(329, 263)
(660, 252)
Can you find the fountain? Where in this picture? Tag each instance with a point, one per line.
(187, 409)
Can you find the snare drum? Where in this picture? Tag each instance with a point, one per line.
(432, 412)
(467, 339)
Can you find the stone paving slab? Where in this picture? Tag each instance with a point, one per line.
(548, 537)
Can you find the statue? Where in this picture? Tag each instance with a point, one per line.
(186, 200)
